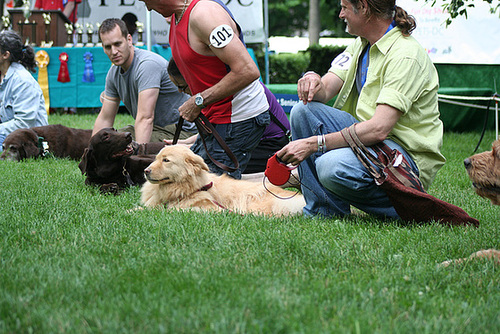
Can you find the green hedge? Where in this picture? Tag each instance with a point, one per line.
(284, 67)
(289, 67)
(321, 57)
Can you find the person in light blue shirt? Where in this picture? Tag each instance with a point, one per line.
(21, 99)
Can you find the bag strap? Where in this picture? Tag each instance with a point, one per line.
(382, 150)
(278, 123)
(362, 153)
(205, 127)
(413, 182)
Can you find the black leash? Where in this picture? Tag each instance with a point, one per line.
(205, 128)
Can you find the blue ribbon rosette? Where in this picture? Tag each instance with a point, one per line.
(88, 72)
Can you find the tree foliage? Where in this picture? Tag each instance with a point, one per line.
(457, 8)
(291, 17)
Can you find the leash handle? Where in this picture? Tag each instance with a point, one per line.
(178, 130)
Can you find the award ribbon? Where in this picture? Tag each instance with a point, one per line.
(42, 58)
(88, 72)
(63, 75)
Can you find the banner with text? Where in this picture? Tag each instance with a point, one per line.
(471, 40)
(248, 13)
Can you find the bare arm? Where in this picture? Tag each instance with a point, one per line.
(205, 17)
(106, 117)
(369, 132)
(145, 114)
(69, 8)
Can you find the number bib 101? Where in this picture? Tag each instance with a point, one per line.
(221, 36)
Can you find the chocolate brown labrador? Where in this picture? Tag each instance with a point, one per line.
(113, 161)
(56, 140)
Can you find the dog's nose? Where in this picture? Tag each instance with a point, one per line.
(467, 163)
(147, 171)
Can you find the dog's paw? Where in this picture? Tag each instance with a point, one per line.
(138, 208)
(445, 264)
(110, 189)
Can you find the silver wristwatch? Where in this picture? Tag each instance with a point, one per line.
(198, 100)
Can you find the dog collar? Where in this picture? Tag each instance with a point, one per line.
(206, 187)
(43, 145)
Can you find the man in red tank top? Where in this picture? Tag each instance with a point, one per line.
(208, 48)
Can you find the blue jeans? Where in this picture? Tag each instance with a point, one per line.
(334, 180)
(2, 138)
(241, 137)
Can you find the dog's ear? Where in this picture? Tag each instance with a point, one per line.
(87, 160)
(29, 147)
(29, 150)
(197, 162)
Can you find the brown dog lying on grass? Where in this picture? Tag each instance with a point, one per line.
(112, 161)
(180, 179)
(490, 254)
(484, 172)
(57, 140)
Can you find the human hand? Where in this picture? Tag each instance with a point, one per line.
(298, 150)
(179, 142)
(308, 86)
(189, 110)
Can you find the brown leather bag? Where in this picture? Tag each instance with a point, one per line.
(402, 185)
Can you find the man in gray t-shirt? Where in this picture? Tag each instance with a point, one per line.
(139, 79)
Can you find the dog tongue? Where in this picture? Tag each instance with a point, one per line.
(129, 150)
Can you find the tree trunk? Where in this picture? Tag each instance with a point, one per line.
(314, 22)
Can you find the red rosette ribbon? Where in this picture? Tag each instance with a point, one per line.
(63, 75)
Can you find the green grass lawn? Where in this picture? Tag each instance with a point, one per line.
(75, 261)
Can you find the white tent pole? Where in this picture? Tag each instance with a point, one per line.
(266, 42)
(148, 29)
(496, 118)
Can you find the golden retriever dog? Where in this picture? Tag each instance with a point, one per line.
(484, 172)
(489, 254)
(180, 179)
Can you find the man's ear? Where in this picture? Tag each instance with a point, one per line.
(363, 7)
(5, 55)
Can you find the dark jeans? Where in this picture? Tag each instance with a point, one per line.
(266, 149)
(2, 138)
(241, 137)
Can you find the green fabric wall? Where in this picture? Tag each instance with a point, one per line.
(467, 80)
(465, 75)
(454, 79)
